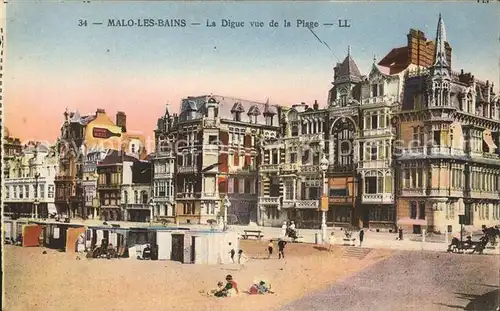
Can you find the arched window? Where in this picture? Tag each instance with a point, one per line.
(125, 197)
(144, 197)
(343, 133)
(136, 197)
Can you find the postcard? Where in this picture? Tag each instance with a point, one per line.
(286, 156)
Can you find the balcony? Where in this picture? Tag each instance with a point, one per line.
(343, 111)
(211, 148)
(108, 186)
(340, 200)
(269, 201)
(438, 192)
(424, 151)
(477, 194)
(335, 168)
(309, 168)
(374, 164)
(413, 192)
(211, 124)
(377, 132)
(64, 178)
(289, 168)
(244, 169)
(377, 198)
(307, 204)
(163, 175)
(269, 168)
(141, 206)
(310, 137)
(383, 99)
(187, 169)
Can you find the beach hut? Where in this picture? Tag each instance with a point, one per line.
(12, 228)
(55, 235)
(94, 236)
(209, 247)
(170, 242)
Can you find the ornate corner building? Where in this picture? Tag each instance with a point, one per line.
(213, 145)
(412, 144)
(448, 161)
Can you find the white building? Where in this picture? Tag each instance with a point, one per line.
(29, 182)
(136, 191)
(163, 183)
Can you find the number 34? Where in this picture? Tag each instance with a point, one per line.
(82, 23)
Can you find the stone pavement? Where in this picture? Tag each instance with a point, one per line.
(372, 239)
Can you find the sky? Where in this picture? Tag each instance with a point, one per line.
(51, 63)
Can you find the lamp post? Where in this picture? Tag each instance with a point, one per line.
(324, 193)
(35, 202)
(227, 204)
(151, 206)
(324, 198)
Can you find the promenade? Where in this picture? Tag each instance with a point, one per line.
(372, 239)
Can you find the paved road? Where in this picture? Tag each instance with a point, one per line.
(414, 281)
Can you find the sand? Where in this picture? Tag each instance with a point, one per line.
(57, 281)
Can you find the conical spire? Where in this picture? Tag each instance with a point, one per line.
(440, 62)
(167, 113)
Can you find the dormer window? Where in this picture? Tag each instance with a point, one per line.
(377, 89)
(237, 116)
(237, 110)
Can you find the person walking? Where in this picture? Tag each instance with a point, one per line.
(281, 249)
(242, 258)
(270, 247)
(400, 233)
(284, 229)
(331, 241)
(232, 252)
(361, 236)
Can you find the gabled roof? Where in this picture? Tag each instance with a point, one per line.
(253, 111)
(237, 107)
(116, 157)
(348, 71)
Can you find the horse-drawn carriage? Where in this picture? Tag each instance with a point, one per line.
(102, 251)
(467, 246)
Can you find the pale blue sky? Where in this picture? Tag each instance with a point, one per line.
(46, 50)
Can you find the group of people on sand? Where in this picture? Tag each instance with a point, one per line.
(230, 289)
(281, 249)
(242, 258)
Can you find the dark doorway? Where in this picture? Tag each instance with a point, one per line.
(177, 247)
(193, 249)
(365, 216)
(417, 229)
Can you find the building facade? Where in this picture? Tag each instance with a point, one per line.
(412, 143)
(29, 184)
(163, 162)
(81, 135)
(214, 143)
(448, 160)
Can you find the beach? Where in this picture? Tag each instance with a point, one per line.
(59, 281)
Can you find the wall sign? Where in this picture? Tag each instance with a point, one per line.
(99, 132)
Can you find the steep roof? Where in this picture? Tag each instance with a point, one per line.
(116, 157)
(348, 71)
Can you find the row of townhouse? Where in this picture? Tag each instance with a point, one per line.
(412, 144)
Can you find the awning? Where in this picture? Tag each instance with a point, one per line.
(51, 207)
(411, 221)
(488, 139)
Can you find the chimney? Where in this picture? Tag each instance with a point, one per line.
(121, 120)
(315, 106)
